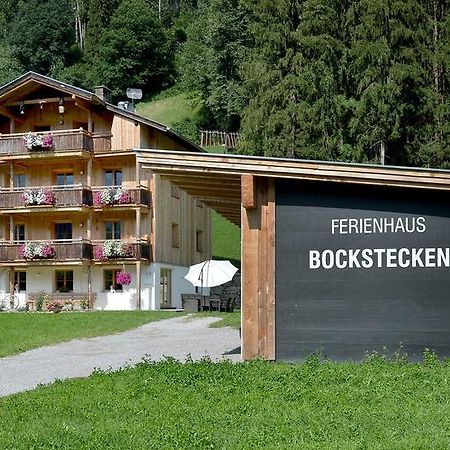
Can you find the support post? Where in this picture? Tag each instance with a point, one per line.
(138, 284)
(11, 175)
(11, 228)
(258, 273)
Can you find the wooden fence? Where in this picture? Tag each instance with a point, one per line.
(217, 138)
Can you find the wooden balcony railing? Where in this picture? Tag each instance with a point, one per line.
(66, 196)
(133, 251)
(63, 251)
(70, 250)
(138, 197)
(63, 141)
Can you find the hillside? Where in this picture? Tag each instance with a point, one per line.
(180, 111)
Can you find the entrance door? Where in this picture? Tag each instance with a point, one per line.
(165, 283)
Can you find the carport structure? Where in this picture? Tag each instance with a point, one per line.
(257, 193)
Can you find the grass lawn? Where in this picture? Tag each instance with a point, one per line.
(170, 110)
(375, 405)
(227, 319)
(20, 332)
(226, 239)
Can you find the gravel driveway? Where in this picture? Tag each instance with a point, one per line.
(177, 337)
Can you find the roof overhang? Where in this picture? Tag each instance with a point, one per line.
(216, 179)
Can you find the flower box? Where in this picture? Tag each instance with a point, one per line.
(38, 142)
(113, 249)
(38, 197)
(34, 250)
(112, 196)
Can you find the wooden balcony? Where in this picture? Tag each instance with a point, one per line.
(63, 141)
(133, 251)
(64, 251)
(137, 197)
(69, 251)
(66, 197)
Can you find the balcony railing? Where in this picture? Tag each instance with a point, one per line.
(137, 197)
(65, 196)
(60, 251)
(66, 250)
(107, 251)
(63, 141)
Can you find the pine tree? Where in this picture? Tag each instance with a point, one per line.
(388, 78)
(434, 149)
(293, 76)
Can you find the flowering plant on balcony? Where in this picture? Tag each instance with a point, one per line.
(123, 278)
(35, 250)
(35, 141)
(112, 196)
(113, 249)
(38, 197)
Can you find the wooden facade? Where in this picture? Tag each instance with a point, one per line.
(92, 151)
(243, 189)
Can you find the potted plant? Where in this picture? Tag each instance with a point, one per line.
(33, 250)
(113, 249)
(38, 197)
(112, 196)
(37, 142)
(123, 278)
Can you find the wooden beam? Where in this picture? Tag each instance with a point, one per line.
(39, 101)
(258, 273)
(248, 192)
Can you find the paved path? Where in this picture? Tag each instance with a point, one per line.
(177, 337)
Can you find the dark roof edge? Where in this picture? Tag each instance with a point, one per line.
(52, 83)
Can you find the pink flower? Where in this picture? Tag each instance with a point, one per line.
(123, 278)
(98, 199)
(47, 141)
(98, 253)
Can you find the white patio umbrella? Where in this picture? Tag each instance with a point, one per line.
(211, 273)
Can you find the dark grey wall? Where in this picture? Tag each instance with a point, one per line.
(344, 313)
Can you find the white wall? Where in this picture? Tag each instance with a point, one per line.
(42, 278)
(179, 284)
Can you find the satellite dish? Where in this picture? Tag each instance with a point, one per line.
(134, 94)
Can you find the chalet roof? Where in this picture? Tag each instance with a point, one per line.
(32, 81)
(216, 179)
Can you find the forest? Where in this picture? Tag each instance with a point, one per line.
(343, 80)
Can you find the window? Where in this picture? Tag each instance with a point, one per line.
(64, 280)
(63, 231)
(20, 180)
(110, 277)
(175, 235)
(165, 282)
(20, 281)
(64, 179)
(174, 191)
(112, 230)
(113, 178)
(19, 232)
(199, 241)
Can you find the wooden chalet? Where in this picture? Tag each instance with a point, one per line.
(76, 208)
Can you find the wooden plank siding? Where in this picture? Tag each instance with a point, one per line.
(191, 218)
(258, 273)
